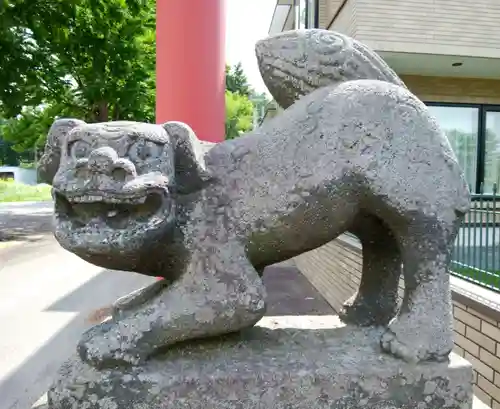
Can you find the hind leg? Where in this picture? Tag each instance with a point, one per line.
(422, 331)
(377, 298)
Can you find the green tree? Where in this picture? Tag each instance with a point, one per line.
(89, 59)
(237, 81)
(98, 63)
(239, 114)
(243, 104)
(239, 107)
(22, 60)
(260, 102)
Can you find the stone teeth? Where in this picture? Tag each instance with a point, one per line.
(133, 200)
(86, 199)
(95, 198)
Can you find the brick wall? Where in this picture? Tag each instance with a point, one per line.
(335, 269)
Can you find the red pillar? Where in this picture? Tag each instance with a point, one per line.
(190, 62)
(190, 65)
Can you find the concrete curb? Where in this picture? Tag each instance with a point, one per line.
(25, 204)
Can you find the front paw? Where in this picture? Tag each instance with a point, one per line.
(392, 345)
(102, 347)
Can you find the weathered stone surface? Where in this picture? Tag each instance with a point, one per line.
(363, 156)
(283, 362)
(295, 63)
(49, 162)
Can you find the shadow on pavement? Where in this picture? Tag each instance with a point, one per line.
(290, 293)
(25, 227)
(103, 289)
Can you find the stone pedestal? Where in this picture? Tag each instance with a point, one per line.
(283, 362)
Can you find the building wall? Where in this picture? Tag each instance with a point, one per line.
(335, 270)
(346, 19)
(327, 9)
(454, 90)
(20, 175)
(447, 27)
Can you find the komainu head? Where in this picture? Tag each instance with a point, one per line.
(112, 189)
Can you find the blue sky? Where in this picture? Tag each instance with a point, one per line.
(247, 21)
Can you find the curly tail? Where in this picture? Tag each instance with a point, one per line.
(296, 63)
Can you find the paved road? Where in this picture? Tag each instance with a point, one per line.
(45, 295)
(24, 221)
(27, 206)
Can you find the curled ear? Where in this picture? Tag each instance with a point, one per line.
(49, 162)
(190, 171)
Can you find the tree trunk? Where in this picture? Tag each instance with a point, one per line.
(102, 114)
(116, 112)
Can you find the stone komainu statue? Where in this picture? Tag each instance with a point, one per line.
(353, 151)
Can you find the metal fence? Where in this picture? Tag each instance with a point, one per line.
(476, 255)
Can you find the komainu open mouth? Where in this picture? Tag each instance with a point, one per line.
(116, 212)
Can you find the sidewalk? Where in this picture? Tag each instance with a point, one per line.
(24, 221)
(46, 294)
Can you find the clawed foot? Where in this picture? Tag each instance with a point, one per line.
(198, 305)
(131, 340)
(414, 343)
(103, 346)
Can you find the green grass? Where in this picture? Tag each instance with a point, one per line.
(11, 191)
(488, 278)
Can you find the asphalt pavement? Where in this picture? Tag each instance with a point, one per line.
(46, 294)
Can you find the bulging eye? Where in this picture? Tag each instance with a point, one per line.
(144, 150)
(79, 149)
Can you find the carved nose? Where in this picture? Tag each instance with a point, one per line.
(106, 161)
(102, 159)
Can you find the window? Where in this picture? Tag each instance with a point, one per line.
(311, 14)
(305, 14)
(461, 125)
(474, 135)
(6, 175)
(492, 150)
(300, 14)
